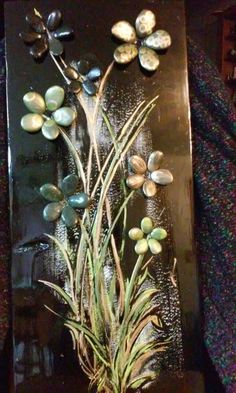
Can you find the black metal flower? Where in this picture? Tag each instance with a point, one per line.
(43, 37)
(83, 75)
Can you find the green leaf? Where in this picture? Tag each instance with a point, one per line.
(65, 257)
(62, 294)
(91, 338)
(140, 381)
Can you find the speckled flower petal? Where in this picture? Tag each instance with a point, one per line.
(124, 31)
(125, 53)
(149, 60)
(160, 40)
(145, 23)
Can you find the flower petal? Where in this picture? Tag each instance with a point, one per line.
(94, 74)
(148, 59)
(149, 188)
(154, 160)
(50, 130)
(52, 211)
(35, 22)
(54, 20)
(71, 73)
(51, 192)
(39, 49)
(137, 165)
(147, 225)
(124, 31)
(83, 66)
(89, 87)
(159, 234)
(69, 216)
(145, 23)
(154, 246)
(63, 33)
(32, 122)
(162, 177)
(55, 46)
(64, 116)
(125, 53)
(69, 184)
(75, 87)
(79, 201)
(141, 247)
(34, 102)
(30, 38)
(54, 97)
(135, 234)
(160, 40)
(135, 181)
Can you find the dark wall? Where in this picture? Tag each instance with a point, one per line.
(201, 24)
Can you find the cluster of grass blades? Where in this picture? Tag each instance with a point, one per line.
(106, 318)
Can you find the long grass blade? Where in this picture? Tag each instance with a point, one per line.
(62, 294)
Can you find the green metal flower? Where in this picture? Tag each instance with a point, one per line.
(140, 41)
(64, 201)
(47, 114)
(152, 238)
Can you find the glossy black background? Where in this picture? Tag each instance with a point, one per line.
(33, 161)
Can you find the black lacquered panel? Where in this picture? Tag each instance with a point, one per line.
(43, 356)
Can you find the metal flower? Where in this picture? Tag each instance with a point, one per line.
(45, 36)
(83, 76)
(46, 113)
(140, 41)
(148, 175)
(64, 201)
(151, 241)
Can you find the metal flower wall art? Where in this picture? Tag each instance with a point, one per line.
(113, 321)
